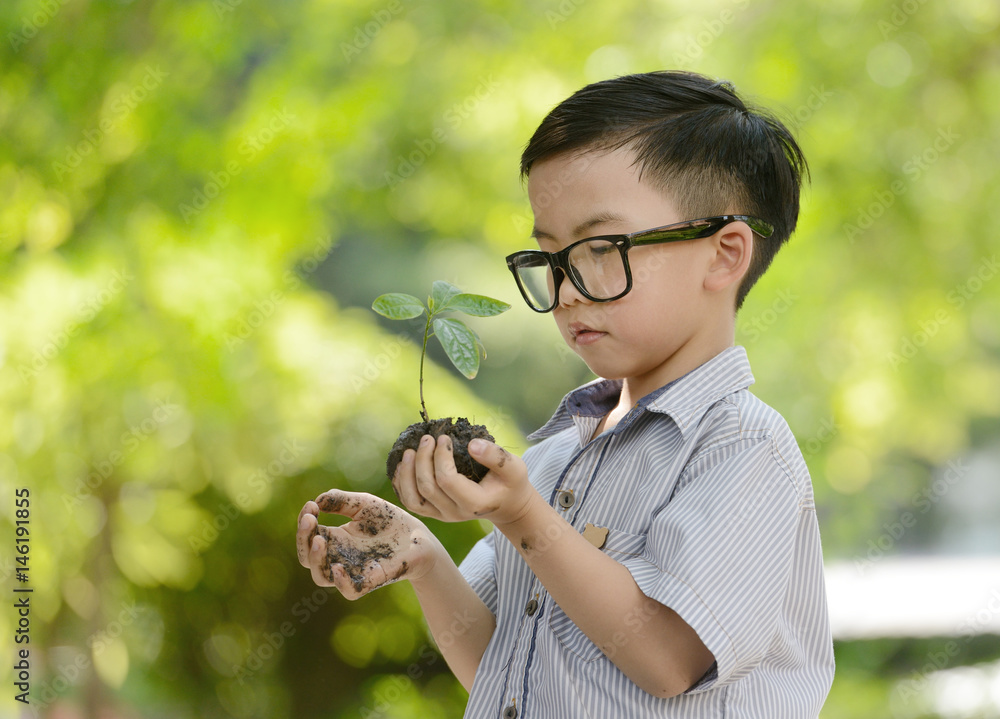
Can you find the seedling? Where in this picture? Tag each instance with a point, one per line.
(464, 349)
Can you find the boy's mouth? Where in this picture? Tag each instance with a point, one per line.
(584, 335)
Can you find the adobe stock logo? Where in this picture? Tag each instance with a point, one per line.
(128, 443)
(251, 146)
(914, 168)
(118, 112)
(901, 13)
(365, 34)
(961, 294)
(920, 504)
(30, 25)
(711, 30)
(57, 341)
(423, 148)
(259, 482)
(756, 326)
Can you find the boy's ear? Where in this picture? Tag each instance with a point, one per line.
(732, 250)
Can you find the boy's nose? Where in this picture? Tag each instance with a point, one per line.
(568, 293)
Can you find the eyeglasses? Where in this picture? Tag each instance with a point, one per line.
(598, 266)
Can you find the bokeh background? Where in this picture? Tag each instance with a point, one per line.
(200, 199)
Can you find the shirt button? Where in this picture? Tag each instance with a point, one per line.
(531, 607)
(510, 712)
(566, 498)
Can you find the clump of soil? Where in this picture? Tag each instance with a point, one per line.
(461, 432)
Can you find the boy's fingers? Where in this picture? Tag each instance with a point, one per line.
(309, 507)
(423, 468)
(490, 455)
(405, 483)
(348, 504)
(352, 583)
(345, 584)
(304, 533)
(316, 561)
(447, 477)
(326, 573)
(353, 587)
(335, 575)
(433, 469)
(444, 457)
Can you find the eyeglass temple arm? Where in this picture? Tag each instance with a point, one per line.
(759, 226)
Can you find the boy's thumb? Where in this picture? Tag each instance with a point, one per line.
(488, 454)
(479, 447)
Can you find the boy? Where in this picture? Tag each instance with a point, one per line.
(657, 553)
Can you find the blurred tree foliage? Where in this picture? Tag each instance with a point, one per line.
(200, 199)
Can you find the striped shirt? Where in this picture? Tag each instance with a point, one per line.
(710, 506)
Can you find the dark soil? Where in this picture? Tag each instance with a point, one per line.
(371, 520)
(354, 560)
(461, 432)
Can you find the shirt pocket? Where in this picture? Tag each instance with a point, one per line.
(619, 546)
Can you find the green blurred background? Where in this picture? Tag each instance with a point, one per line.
(199, 201)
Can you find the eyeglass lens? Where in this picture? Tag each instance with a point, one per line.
(596, 266)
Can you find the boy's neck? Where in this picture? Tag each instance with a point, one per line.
(692, 355)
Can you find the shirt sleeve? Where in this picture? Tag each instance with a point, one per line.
(479, 570)
(720, 553)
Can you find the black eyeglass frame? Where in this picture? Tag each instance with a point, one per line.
(677, 232)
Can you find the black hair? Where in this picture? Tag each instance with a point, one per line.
(696, 140)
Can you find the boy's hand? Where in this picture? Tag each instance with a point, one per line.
(427, 483)
(381, 544)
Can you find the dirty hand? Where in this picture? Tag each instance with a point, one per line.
(427, 483)
(381, 544)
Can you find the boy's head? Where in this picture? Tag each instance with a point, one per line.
(694, 139)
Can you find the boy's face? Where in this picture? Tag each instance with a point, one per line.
(653, 334)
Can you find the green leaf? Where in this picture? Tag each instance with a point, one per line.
(398, 306)
(441, 294)
(477, 305)
(460, 344)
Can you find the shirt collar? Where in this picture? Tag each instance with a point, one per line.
(685, 400)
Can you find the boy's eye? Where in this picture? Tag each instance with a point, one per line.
(601, 248)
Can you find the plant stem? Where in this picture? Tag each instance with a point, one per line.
(423, 353)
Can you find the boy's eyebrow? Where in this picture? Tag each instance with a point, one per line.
(578, 231)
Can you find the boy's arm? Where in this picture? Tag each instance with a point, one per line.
(459, 620)
(383, 544)
(649, 642)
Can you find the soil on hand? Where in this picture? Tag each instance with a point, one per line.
(371, 519)
(461, 432)
(354, 559)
